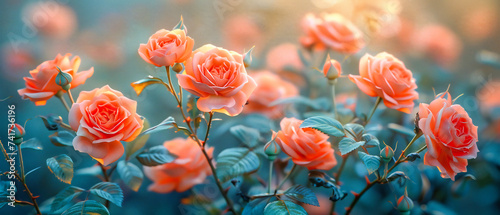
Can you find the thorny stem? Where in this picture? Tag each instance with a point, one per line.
(106, 179)
(337, 178)
(286, 177)
(195, 137)
(369, 185)
(208, 128)
(379, 99)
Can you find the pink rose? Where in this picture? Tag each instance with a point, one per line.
(219, 78)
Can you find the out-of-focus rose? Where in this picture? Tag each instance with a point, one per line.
(242, 32)
(15, 61)
(387, 77)
(450, 135)
(270, 87)
(41, 86)
(284, 56)
(165, 48)
(306, 146)
(102, 118)
(51, 19)
(480, 24)
(439, 43)
(219, 78)
(187, 170)
(488, 96)
(332, 69)
(332, 31)
(347, 100)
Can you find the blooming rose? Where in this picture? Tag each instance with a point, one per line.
(41, 86)
(165, 48)
(387, 77)
(188, 169)
(219, 78)
(449, 134)
(102, 118)
(270, 88)
(333, 31)
(307, 147)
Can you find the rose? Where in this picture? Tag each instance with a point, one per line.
(450, 135)
(333, 31)
(41, 86)
(270, 87)
(219, 78)
(307, 147)
(387, 77)
(102, 118)
(332, 69)
(188, 169)
(165, 48)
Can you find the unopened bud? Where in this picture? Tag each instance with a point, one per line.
(405, 204)
(387, 153)
(332, 69)
(63, 79)
(272, 149)
(17, 131)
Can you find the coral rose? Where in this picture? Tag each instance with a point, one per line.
(165, 48)
(51, 19)
(102, 118)
(333, 31)
(307, 147)
(439, 43)
(219, 78)
(187, 170)
(270, 87)
(41, 86)
(449, 134)
(387, 77)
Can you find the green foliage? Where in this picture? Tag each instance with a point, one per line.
(62, 167)
(302, 194)
(318, 104)
(347, 145)
(324, 124)
(88, 207)
(168, 123)
(131, 174)
(370, 140)
(371, 162)
(155, 156)
(247, 135)
(234, 162)
(284, 208)
(140, 85)
(354, 131)
(64, 197)
(256, 206)
(109, 191)
(62, 138)
(134, 145)
(32, 143)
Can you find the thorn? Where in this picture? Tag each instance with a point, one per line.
(347, 208)
(226, 190)
(355, 194)
(367, 180)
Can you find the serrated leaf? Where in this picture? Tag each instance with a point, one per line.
(155, 156)
(256, 206)
(302, 194)
(234, 162)
(354, 131)
(130, 174)
(109, 191)
(347, 145)
(140, 85)
(62, 167)
(168, 123)
(318, 104)
(88, 207)
(371, 162)
(370, 140)
(62, 138)
(324, 124)
(246, 135)
(32, 143)
(284, 208)
(64, 197)
(134, 146)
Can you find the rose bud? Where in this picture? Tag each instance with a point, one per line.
(63, 79)
(386, 153)
(405, 204)
(332, 69)
(18, 132)
(272, 149)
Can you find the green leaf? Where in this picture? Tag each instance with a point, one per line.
(51, 121)
(130, 174)
(155, 156)
(88, 207)
(324, 124)
(247, 135)
(256, 206)
(371, 162)
(64, 197)
(284, 208)
(354, 131)
(62, 138)
(168, 123)
(234, 162)
(302, 194)
(109, 191)
(134, 145)
(140, 85)
(318, 104)
(347, 145)
(370, 140)
(32, 143)
(62, 167)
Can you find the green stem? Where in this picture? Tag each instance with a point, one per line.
(337, 178)
(106, 179)
(21, 162)
(332, 86)
(379, 99)
(270, 176)
(286, 177)
(421, 149)
(63, 101)
(70, 97)
(208, 127)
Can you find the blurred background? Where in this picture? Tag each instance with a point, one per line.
(449, 42)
